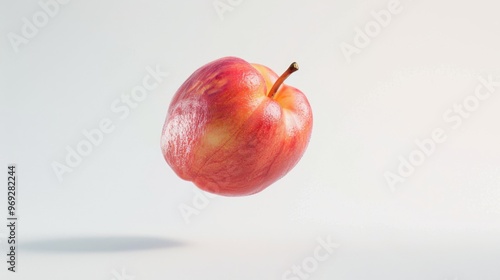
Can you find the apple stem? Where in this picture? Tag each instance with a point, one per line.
(293, 67)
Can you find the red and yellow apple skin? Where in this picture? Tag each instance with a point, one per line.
(226, 134)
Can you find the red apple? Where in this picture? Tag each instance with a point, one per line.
(233, 128)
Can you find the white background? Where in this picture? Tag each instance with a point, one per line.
(118, 211)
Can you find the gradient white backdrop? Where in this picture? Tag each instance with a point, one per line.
(116, 216)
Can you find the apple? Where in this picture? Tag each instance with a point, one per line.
(233, 128)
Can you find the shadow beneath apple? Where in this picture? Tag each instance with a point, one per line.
(97, 244)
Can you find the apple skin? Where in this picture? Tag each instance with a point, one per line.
(226, 135)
